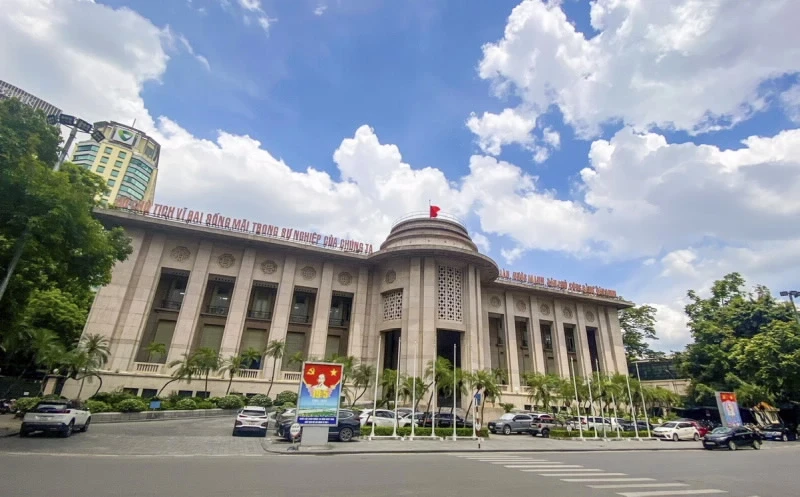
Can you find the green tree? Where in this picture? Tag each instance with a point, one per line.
(362, 377)
(87, 359)
(388, 383)
(206, 360)
(183, 369)
(638, 325)
(275, 350)
(232, 365)
(412, 389)
(440, 373)
(156, 352)
(67, 251)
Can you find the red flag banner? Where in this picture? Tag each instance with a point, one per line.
(435, 210)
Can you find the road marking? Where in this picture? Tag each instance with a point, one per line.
(657, 493)
(641, 485)
(587, 480)
(583, 474)
(543, 461)
(549, 472)
(542, 466)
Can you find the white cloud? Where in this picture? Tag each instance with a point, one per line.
(251, 5)
(510, 256)
(660, 63)
(320, 9)
(265, 22)
(791, 103)
(172, 40)
(496, 130)
(482, 242)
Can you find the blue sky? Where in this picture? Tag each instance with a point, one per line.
(645, 146)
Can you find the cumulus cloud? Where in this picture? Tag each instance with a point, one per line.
(320, 9)
(790, 99)
(482, 242)
(496, 130)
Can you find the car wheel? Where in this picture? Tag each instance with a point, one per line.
(345, 434)
(731, 445)
(68, 430)
(707, 448)
(234, 433)
(85, 426)
(675, 437)
(785, 438)
(696, 437)
(506, 430)
(756, 444)
(545, 433)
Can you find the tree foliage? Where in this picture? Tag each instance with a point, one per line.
(638, 325)
(67, 252)
(743, 341)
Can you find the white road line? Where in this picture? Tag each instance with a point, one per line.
(583, 474)
(526, 461)
(542, 466)
(657, 493)
(641, 485)
(587, 480)
(550, 472)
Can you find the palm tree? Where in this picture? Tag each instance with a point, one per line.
(348, 363)
(90, 355)
(440, 372)
(500, 376)
(275, 349)
(388, 382)
(538, 389)
(362, 376)
(96, 347)
(156, 352)
(207, 360)
(296, 358)
(407, 390)
(232, 365)
(186, 370)
(485, 383)
(47, 350)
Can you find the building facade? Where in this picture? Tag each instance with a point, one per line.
(7, 90)
(127, 159)
(196, 280)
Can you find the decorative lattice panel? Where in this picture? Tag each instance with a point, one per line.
(450, 294)
(393, 305)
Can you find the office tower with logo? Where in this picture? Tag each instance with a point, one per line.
(127, 159)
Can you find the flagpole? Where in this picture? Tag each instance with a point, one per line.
(433, 409)
(591, 405)
(644, 406)
(454, 391)
(600, 393)
(414, 393)
(616, 416)
(575, 386)
(375, 397)
(396, 387)
(633, 411)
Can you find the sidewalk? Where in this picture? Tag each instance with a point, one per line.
(8, 425)
(495, 444)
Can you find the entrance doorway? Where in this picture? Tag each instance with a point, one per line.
(391, 343)
(448, 346)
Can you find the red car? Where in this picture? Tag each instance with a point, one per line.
(700, 428)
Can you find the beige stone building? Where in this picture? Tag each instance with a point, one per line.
(427, 289)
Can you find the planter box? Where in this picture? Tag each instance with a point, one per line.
(127, 417)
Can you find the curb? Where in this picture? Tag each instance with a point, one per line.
(286, 452)
(14, 434)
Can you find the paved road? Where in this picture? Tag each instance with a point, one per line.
(768, 473)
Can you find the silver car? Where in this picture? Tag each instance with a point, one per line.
(511, 423)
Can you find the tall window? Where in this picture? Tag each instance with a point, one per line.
(211, 336)
(295, 342)
(220, 296)
(177, 289)
(569, 336)
(254, 338)
(261, 303)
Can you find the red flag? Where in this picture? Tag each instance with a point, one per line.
(435, 210)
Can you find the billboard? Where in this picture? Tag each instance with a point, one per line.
(125, 136)
(320, 393)
(728, 409)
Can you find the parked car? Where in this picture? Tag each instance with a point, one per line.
(676, 430)
(405, 420)
(543, 424)
(776, 431)
(443, 420)
(732, 438)
(346, 429)
(381, 417)
(701, 428)
(511, 423)
(59, 416)
(251, 419)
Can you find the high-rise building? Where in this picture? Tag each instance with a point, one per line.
(7, 90)
(127, 159)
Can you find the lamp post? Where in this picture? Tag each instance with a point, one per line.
(792, 294)
(76, 124)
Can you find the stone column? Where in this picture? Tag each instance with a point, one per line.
(471, 360)
(374, 318)
(186, 326)
(280, 316)
(319, 326)
(124, 345)
(512, 352)
(486, 338)
(581, 341)
(358, 328)
(237, 314)
(427, 329)
(604, 347)
(559, 342)
(538, 347)
(615, 334)
(412, 318)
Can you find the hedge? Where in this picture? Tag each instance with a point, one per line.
(25, 404)
(405, 431)
(130, 405)
(589, 433)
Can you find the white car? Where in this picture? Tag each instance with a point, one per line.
(405, 420)
(251, 419)
(676, 430)
(381, 417)
(60, 416)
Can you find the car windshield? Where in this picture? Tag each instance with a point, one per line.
(720, 430)
(49, 406)
(253, 412)
(507, 416)
(774, 426)
(670, 425)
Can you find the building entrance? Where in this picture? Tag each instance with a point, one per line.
(448, 346)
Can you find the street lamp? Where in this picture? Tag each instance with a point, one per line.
(77, 125)
(792, 294)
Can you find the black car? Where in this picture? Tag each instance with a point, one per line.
(776, 431)
(444, 420)
(347, 428)
(731, 438)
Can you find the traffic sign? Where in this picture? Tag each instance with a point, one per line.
(294, 430)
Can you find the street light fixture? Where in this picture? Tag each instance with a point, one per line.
(76, 125)
(792, 294)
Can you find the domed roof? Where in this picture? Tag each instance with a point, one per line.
(419, 235)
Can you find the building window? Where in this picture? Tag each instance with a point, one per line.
(254, 338)
(100, 169)
(392, 305)
(295, 345)
(547, 336)
(121, 154)
(112, 182)
(87, 148)
(449, 293)
(132, 391)
(569, 335)
(118, 163)
(261, 303)
(108, 150)
(210, 337)
(83, 157)
(114, 173)
(103, 160)
(149, 393)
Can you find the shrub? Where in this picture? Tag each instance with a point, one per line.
(204, 404)
(507, 407)
(25, 404)
(404, 431)
(230, 402)
(260, 400)
(186, 404)
(52, 396)
(214, 400)
(113, 397)
(286, 397)
(130, 405)
(96, 406)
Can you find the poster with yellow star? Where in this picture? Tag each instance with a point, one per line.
(320, 393)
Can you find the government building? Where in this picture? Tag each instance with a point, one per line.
(196, 280)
